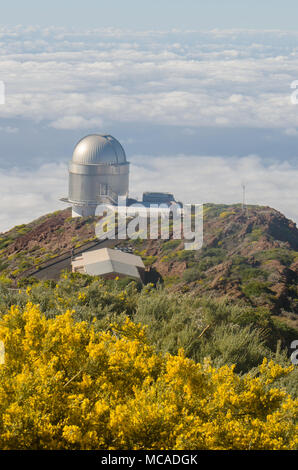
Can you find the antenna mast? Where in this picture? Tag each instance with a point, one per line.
(243, 199)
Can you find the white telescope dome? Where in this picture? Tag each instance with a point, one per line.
(98, 149)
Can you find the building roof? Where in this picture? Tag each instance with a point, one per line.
(96, 149)
(107, 261)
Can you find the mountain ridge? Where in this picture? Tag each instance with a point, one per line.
(248, 255)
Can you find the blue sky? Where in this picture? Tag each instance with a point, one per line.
(143, 14)
(198, 93)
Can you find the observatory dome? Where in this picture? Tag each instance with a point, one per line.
(98, 149)
(98, 174)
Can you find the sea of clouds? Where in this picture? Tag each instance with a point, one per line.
(27, 195)
(83, 80)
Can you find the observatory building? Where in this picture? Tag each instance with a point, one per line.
(98, 173)
(109, 263)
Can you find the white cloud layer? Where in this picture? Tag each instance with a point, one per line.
(197, 179)
(200, 179)
(26, 195)
(93, 78)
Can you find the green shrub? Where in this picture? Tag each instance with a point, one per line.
(170, 245)
(256, 288)
(4, 242)
(192, 274)
(186, 255)
(232, 344)
(283, 255)
(255, 234)
(245, 272)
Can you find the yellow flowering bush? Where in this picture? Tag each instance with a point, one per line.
(65, 385)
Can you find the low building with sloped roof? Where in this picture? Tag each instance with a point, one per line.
(109, 263)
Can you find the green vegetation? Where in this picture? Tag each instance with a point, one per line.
(149, 260)
(214, 210)
(256, 288)
(48, 237)
(201, 261)
(255, 234)
(170, 245)
(192, 274)
(227, 333)
(283, 255)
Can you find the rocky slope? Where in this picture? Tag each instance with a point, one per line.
(31, 245)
